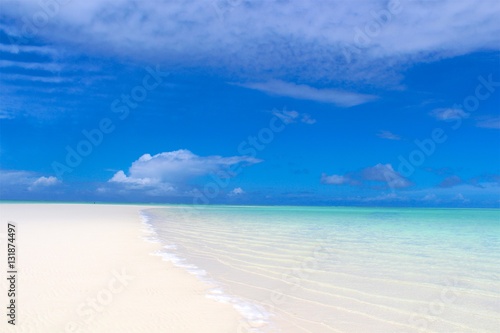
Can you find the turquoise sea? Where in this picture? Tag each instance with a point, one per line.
(339, 269)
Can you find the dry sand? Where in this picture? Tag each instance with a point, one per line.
(87, 268)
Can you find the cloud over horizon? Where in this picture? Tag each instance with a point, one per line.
(171, 169)
(22, 180)
(378, 174)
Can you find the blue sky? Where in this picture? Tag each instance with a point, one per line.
(381, 103)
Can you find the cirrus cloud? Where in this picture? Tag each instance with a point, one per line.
(492, 122)
(449, 114)
(388, 135)
(256, 36)
(301, 91)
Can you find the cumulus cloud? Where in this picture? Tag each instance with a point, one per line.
(302, 91)
(236, 191)
(448, 113)
(388, 135)
(46, 181)
(169, 169)
(21, 180)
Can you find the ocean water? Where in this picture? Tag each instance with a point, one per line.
(320, 270)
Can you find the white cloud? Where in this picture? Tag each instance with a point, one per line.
(334, 179)
(16, 48)
(5, 115)
(237, 191)
(381, 173)
(482, 192)
(32, 65)
(21, 180)
(16, 176)
(169, 169)
(388, 135)
(302, 91)
(383, 198)
(386, 174)
(489, 122)
(460, 197)
(120, 177)
(307, 119)
(289, 117)
(46, 181)
(273, 37)
(449, 114)
(430, 197)
(31, 78)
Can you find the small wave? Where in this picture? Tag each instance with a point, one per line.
(254, 315)
(147, 228)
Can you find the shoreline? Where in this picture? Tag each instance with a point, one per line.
(89, 268)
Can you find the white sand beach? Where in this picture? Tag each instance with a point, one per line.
(87, 268)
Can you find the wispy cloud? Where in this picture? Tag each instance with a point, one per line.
(448, 114)
(451, 181)
(388, 135)
(30, 78)
(14, 48)
(377, 174)
(302, 91)
(386, 197)
(489, 122)
(258, 35)
(334, 179)
(32, 65)
(6, 115)
(292, 116)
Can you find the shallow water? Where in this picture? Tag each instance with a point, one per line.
(319, 269)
